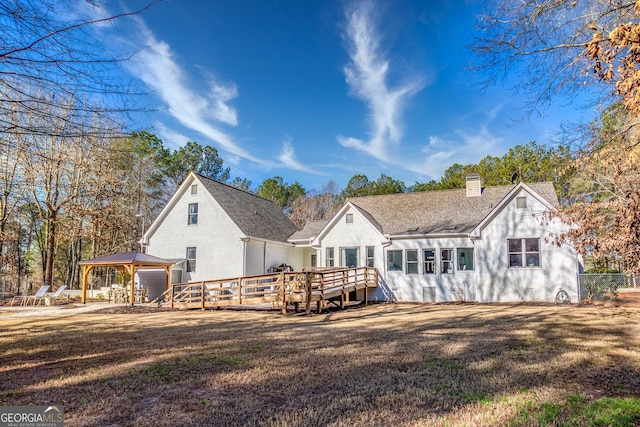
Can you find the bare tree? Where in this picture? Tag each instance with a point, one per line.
(10, 179)
(59, 100)
(56, 165)
(48, 53)
(606, 188)
(545, 48)
(322, 205)
(572, 47)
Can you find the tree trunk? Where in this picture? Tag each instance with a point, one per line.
(50, 250)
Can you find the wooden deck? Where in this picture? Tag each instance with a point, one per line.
(320, 286)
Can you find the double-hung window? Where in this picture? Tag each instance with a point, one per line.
(370, 256)
(524, 252)
(193, 214)
(446, 261)
(191, 259)
(330, 257)
(412, 261)
(429, 261)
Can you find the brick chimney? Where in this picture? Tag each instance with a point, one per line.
(474, 185)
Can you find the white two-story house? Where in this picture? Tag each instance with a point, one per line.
(213, 230)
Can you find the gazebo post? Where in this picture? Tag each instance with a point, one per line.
(86, 269)
(167, 269)
(132, 271)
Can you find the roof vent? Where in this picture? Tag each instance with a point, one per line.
(474, 185)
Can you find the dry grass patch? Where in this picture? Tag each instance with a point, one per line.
(380, 365)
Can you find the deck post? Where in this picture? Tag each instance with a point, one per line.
(346, 294)
(202, 285)
(366, 294)
(283, 294)
(307, 287)
(173, 289)
(240, 290)
(345, 279)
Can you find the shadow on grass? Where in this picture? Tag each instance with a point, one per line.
(384, 365)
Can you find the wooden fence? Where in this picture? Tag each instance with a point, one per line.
(279, 289)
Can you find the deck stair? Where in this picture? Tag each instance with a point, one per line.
(319, 285)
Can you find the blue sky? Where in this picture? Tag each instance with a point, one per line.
(314, 91)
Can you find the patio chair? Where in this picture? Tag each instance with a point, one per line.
(57, 295)
(24, 299)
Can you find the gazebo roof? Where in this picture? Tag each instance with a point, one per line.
(127, 258)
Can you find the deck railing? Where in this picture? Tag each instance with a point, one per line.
(279, 289)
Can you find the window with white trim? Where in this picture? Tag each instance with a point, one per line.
(194, 189)
(330, 258)
(446, 261)
(350, 257)
(429, 261)
(412, 261)
(524, 252)
(191, 259)
(521, 202)
(193, 214)
(465, 259)
(314, 260)
(371, 256)
(349, 218)
(394, 260)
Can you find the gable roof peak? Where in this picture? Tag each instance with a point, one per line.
(255, 216)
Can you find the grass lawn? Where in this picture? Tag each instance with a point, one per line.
(394, 365)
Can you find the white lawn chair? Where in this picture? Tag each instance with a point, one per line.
(55, 295)
(24, 299)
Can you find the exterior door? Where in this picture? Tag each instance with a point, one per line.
(349, 257)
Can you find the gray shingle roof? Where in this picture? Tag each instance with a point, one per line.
(311, 229)
(254, 216)
(434, 212)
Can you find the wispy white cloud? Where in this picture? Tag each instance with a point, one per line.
(462, 147)
(221, 111)
(367, 75)
(156, 66)
(288, 159)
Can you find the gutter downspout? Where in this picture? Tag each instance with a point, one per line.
(384, 264)
(264, 257)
